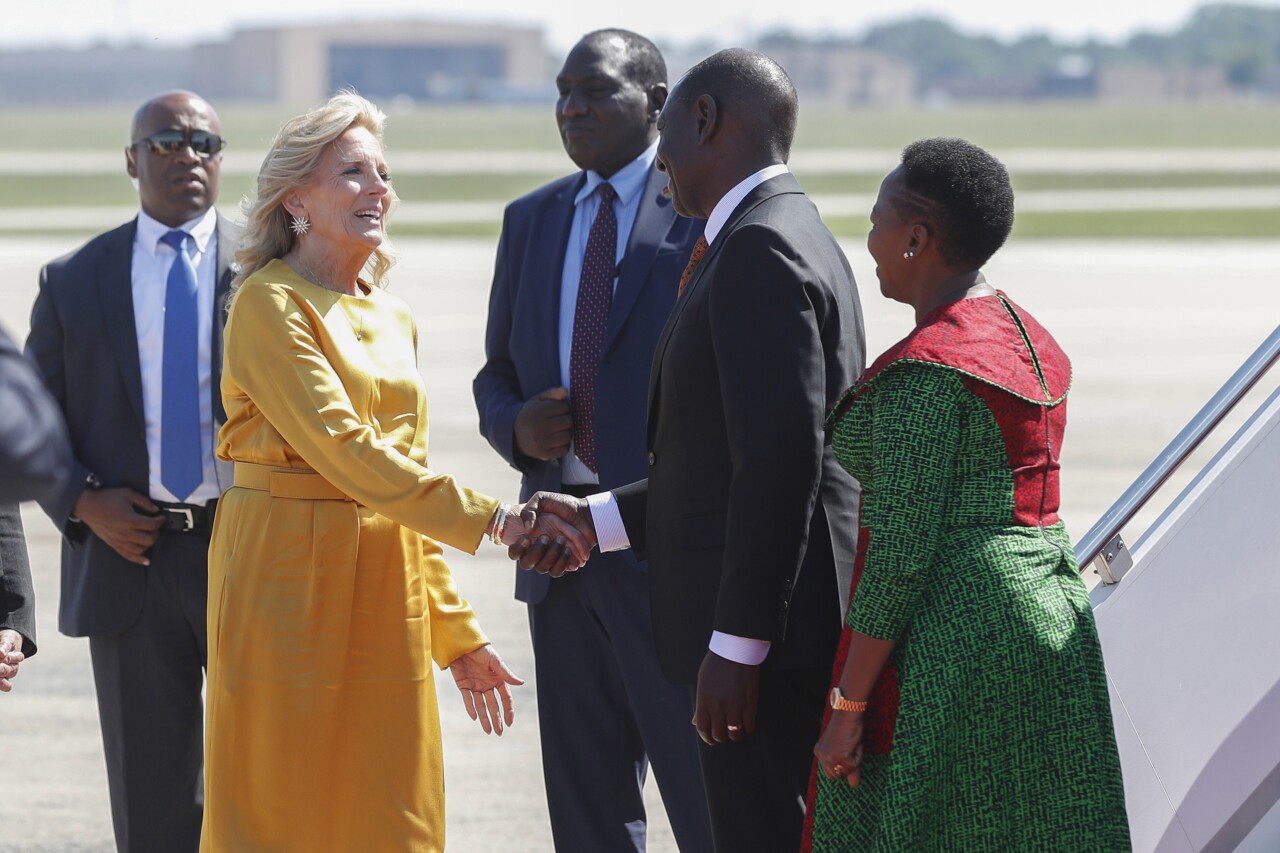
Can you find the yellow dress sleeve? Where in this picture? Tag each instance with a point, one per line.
(276, 357)
(454, 627)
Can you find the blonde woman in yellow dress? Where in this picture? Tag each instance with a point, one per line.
(329, 596)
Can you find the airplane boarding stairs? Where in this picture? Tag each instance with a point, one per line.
(1189, 619)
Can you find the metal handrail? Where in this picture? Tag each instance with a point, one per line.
(1102, 543)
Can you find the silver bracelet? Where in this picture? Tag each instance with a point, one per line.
(499, 520)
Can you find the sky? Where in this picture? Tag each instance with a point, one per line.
(166, 23)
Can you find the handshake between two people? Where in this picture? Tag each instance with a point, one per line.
(556, 534)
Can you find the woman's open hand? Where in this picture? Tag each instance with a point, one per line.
(482, 679)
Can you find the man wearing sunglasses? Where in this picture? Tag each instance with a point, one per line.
(127, 332)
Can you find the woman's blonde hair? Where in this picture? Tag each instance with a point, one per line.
(291, 163)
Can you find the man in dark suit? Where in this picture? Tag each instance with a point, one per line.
(747, 519)
(127, 331)
(17, 598)
(585, 278)
(34, 455)
(34, 460)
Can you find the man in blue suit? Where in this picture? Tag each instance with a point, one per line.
(34, 455)
(127, 332)
(34, 460)
(586, 275)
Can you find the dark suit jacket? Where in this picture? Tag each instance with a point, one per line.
(84, 339)
(521, 344)
(34, 454)
(17, 598)
(747, 519)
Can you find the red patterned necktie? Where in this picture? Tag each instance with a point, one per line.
(590, 318)
(699, 249)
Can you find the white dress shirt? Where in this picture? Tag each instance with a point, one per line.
(628, 182)
(150, 273)
(611, 533)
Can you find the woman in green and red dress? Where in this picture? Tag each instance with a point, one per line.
(970, 708)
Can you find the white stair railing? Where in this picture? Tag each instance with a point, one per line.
(1103, 547)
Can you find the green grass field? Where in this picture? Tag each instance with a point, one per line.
(1029, 125)
(114, 189)
(1103, 225)
(1077, 126)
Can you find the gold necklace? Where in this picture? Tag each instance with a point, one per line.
(308, 275)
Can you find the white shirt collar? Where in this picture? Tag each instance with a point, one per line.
(627, 182)
(201, 228)
(724, 207)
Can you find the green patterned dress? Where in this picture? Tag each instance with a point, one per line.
(990, 728)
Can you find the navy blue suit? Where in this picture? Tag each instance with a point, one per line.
(17, 595)
(34, 455)
(603, 703)
(146, 624)
(34, 461)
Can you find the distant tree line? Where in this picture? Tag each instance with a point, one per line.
(1241, 40)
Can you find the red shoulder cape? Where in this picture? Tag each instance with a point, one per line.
(990, 339)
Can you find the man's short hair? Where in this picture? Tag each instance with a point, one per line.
(644, 66)
(754, 89)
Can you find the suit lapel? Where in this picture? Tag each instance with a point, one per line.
(660, 351)
(653, 222)
(551, 235)
(781, 185)
(115, 295)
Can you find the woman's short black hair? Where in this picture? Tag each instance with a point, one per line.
(963, 191)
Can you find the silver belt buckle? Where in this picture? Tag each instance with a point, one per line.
(186, 513)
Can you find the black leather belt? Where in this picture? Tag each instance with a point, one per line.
(187, 518)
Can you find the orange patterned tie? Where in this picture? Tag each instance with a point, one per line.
(699, 249)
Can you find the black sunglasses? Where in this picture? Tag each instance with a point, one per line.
(166, 142)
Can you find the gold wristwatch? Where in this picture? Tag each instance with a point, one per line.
(840, 703)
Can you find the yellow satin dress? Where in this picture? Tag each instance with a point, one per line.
(325, 613)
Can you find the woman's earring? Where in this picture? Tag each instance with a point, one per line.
(908, 255)
(300, 225)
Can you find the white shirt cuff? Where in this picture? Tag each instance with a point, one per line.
(742, 650)
(611, 533)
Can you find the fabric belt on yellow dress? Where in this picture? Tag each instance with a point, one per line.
(297, 483)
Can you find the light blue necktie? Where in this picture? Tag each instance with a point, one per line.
(181, 468)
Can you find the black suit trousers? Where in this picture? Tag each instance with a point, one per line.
(148, 683)
(606, 712)
(756, 788)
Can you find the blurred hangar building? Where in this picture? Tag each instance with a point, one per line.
(295, 66)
